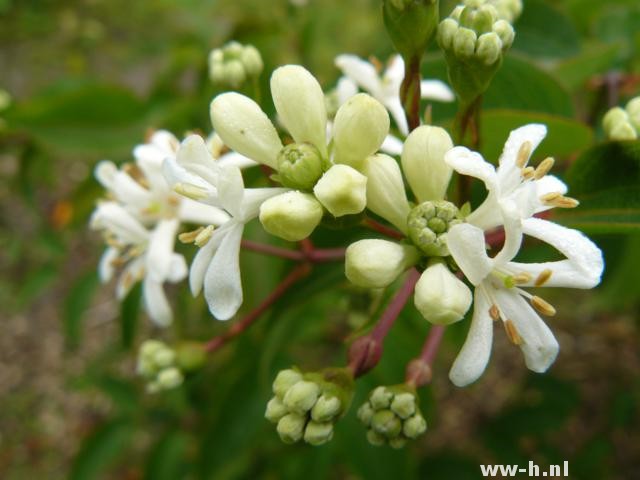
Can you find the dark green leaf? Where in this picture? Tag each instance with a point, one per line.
(167, 458)
(76, 305)
(129, 315)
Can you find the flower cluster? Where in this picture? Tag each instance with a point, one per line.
(234, 64)
(623, 123)
(157, 364)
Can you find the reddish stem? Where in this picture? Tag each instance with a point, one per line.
(321, 255)
(419, 369)
(236, 329)
(271, 250)
(383, 229)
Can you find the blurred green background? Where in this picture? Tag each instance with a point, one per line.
(88, 78)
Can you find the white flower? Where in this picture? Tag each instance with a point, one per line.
(194, 172)
(386, 88)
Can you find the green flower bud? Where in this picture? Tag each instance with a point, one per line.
(291, 427)
(633, 109)
(170, 378)
(284, 381)
(365, 413)
(146, 368)
(464, 42)
(374, 438)
(397, 442)
(164, 357)
(386, 423)
(5, 99)
(275, 410)
(318, 433)
(617, 125)
(380, 398)
(342, 190)
(291, 215)
(440, 296)
(301, 397)
(414, 427)
(234, 74)
(232, 64)
(252, 60)
(428, 226)
(489, 48)
(508, 10)
(149, 348)
(404, 404)
(326, 408)
(505, 32)
(447, 32)
(299, 166)
(374, 263)
(410, 24)
(190, 356)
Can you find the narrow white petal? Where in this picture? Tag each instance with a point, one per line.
(195, 157)
(436, 90)
(345, 89)
(132, 273)
(466, 162)
(300, 104)
(231, 190)
(391, 145)
(253, 198)
(487, 216)
(114, 218)
(512, 232)
(105, 173)
(174, 173)
(156, 303)
(245, 128)
(177, 268)
(203, 258)
(508, 172)
(467, 247)
(105, 267)
(540, 347)
(476, 351)
(361, 72)
(130, 192)
(397, 112)
(164, 140)
(234, 159)
(160, 249)
(394, 73)
(191, 211)
(222, 283)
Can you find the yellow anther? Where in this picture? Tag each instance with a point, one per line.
(523, 154)
(528, 172)
(512, 333)
(544, 168)
(543, 277)
(190, 237)
(522, 278)
(567, 202)
(494, 313)
(377, 64)
(203, 237)
(550, 197)
(543, 306)
(190, 191)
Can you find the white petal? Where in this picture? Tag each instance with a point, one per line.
(253, 198)
(191, 211)
(177, 268)
(231, 190)
(164, 140)
(105, 173)
(300, 104)
(156, 303)
(397, 112)
(345, 89)
(512, 232)
(391, 145)
(245, 128)
(131, 274)
(105, 267)
(386, 194)
(508, 172)
(130, 192)
(222, 283)
(196, 158)
(394, 74)
(160, 249)
(476, 351)
(174, 173)
(487, 216)
(361, 72)
(234, 159)
(466, 162)
(467, 247)
(436, 90)
(203, 258)
(540, 347)
(113, 217)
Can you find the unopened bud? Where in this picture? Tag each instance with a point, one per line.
(364, 354)
(164, 357)
(318, 433)
(489, 48)
(291, 427)
(326, 408)
(169, 378)
(275, 410)
(404, 404)
(440, 296)
(374, 438)
(415, 426)
(381, 398)
(464, 42)
(505, 32)
(508, 10)
(292, 216)
(429, 223)
(617, 125)
(342, 190)
(374, 263)
(284, 381)
(234, 74)
(365, 413)
(397, 442)
(299, 166)
(301, 397)
(633, 110)
(252, 60)
(190, 356)
(410, 24)
(386, 423)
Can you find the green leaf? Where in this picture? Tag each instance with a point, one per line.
(167, 458)
(75, 306)
(129, 316)
(565, 136)
(575, 71)
(100, 450)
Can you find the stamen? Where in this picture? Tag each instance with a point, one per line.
(550, 197)
(544, 168)
(512, 333)
(494, 313)
(561, 201)
(190, 237)
(528, 173)
(377, 64)
(542, 306)
(543, 277)
(522, 278)
(190, 191)
(203, 237)
(523, 154)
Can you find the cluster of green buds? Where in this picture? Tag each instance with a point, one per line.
(157, 363)
(509, 10)
(392, 416)
(234, 64)
(623, 123)
(429, 223)
(306, 406)
(474, 39)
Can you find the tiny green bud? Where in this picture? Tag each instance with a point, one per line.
(440, 296)
(284, 381)
(326, 408)
(508, 10)
(374, 438)
(190, 356)
(447, 32)
(489, 48)
(464, 42)
(410, 24)
(342, 190)
(164, 357)
(505, 31)
(170, 378)
(301, 397)
(380, 398)
(415, 426)
(617, 125)
(275, 410)
(365, 413)
(292, 216)
(145, 367)
(252, 60)
(403, 405)
(428, 226)
(299, 166)
(150, 347)
(318, 433)
(386, 423)
(397, 442)
(614, 116)
(234, 73)
(633, 109)
(291, 427)
(374, 263)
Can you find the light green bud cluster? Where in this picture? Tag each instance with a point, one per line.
(509, 10)
(429, 223)
(234, 63)
(392, 416)
(157, 363)
(305, 406)
(474, 39)
(623, 123)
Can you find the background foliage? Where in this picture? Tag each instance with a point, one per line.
(89, 77)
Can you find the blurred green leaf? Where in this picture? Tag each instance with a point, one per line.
(596, 59)
(129, 316)
(76, 305)
(167, 458)
(101, 449)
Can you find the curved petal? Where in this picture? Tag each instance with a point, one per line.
(160, 249)
(203, 258)
(394, 74)
(487, 216)
(254, 197)
(177, 268)
(245, 128)
(156, 303)
(466, 162)
(476, 351)
(105, 267)
(509, 173)
(467, 247)
(191, 211)
(436, 90)
(130, 192)
(174, 173)
(132, 273)
(222, 283)
(361, 72)
(391, 145)
(234, 159)
(300, 104)
(231, 190)
(113, 217)
(397, 112)
(195, 157)
(540, 347)
(512, 233)
(105, 173)
(345, 89)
